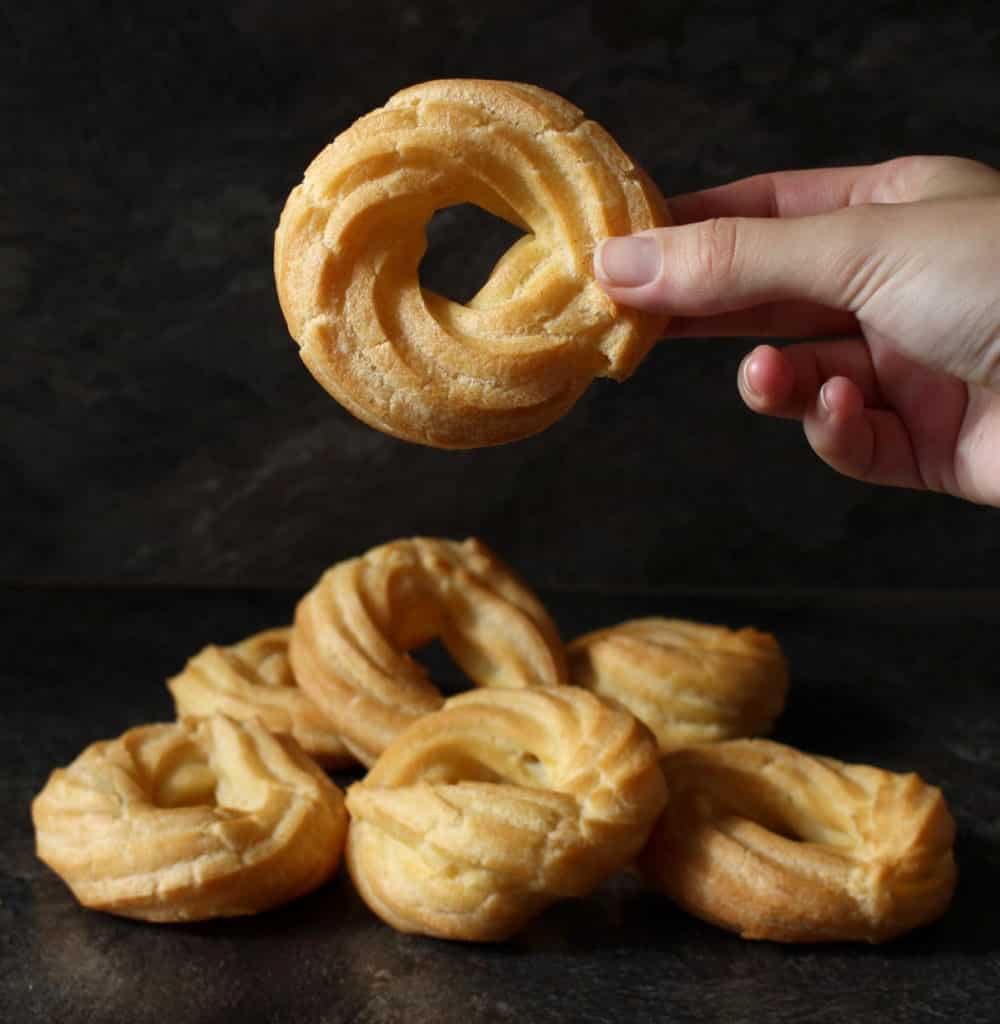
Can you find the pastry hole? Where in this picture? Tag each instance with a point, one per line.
(767, 817)
(464, 243)
(459, 767)
(275, 670)
(441, 667)
(784, 830)
(533, 768)
(188, 782)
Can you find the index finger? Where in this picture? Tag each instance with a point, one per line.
(779, 194)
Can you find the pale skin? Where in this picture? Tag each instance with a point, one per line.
(892, 271)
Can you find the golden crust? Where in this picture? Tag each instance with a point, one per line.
(254, 679)
(191, 820)
(690, 682)
(353, 629)
(479, 816)
(776, 844)
(412, 363)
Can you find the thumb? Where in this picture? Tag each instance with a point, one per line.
(836, 259)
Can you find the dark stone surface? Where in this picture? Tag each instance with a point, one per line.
(156, 422)
(902, 681)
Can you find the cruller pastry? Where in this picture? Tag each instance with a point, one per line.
(254, 679)
(516, 357)
(479, 816)
(191, 820)
(773, 843)
(690, 682)
(353, 630)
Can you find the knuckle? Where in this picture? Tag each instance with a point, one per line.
(903, 178)
(907, 178)
(861, 265)
(715, 254)
(862, 278)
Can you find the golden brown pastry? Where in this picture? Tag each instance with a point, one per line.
(776, 844)
(191, 820)
(479, 816)
(254, 679)
(514, 359)
(353, 630)
(688, 681)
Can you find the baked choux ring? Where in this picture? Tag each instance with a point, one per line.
(254, 679)
(353, 629)
(479, 816)
(776, 844)
(191, 820)
(688, 681)
(412, 363)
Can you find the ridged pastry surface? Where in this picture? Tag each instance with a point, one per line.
(777, 844)
(354, 629)
(191, 820)
(515, 358)
(479, 816)
(254, 678)
(690, 682)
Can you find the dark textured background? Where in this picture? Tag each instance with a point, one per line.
(156, 426)
(156, 421)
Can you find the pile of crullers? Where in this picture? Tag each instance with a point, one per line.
(564, 766)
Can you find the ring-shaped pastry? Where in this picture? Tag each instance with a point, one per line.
(254, 679)
(479, 816)
(353, 630)
(191, 820)
(772, 843)
(516, 357)
(690, 682)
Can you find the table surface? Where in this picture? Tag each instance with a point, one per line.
(904, 681)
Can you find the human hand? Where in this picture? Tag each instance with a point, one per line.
(899, 261)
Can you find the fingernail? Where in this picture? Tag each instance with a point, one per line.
(748, 384)
(824, 406)
(628, 262)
